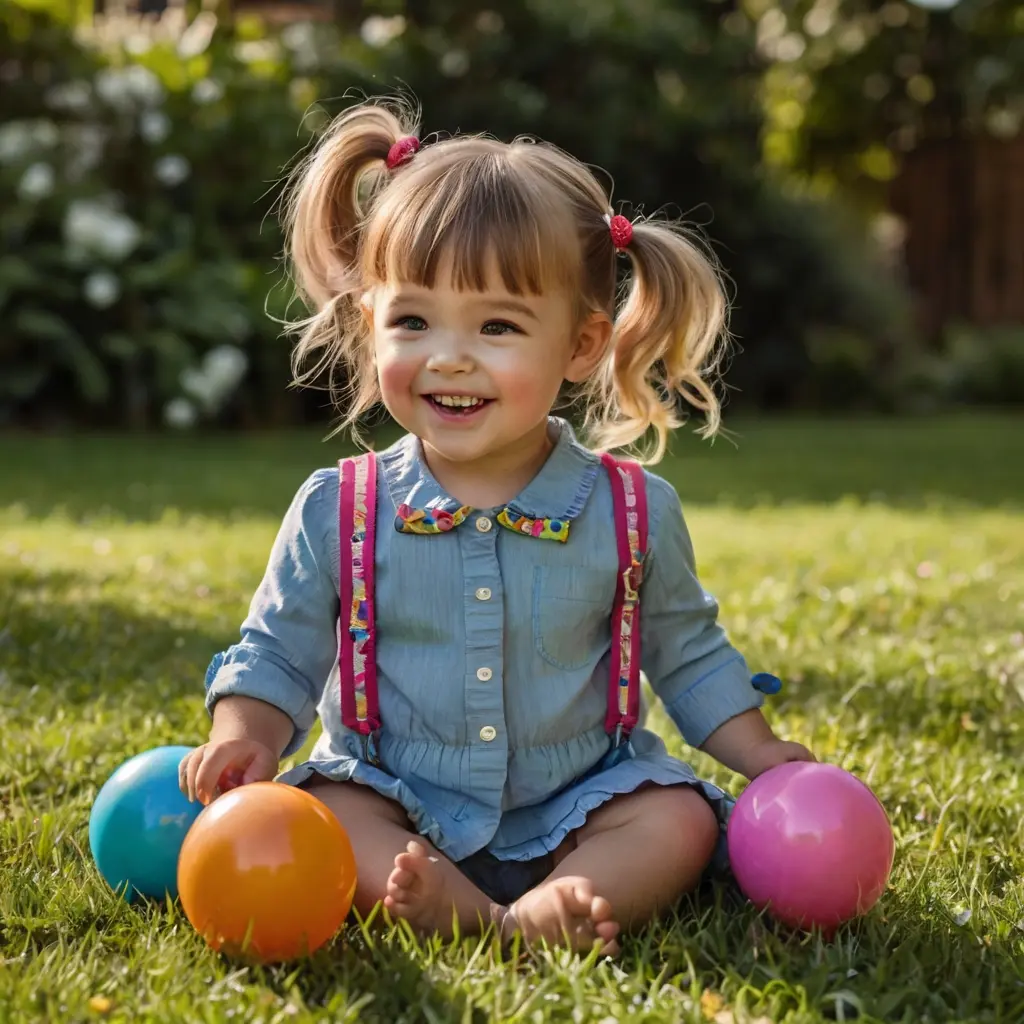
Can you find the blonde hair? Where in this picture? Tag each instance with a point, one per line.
(535, 213)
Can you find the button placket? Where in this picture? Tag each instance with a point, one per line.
(483, 601)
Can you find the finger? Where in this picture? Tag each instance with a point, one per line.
(195, 759)
(261, 768)
(209, 773)
(183, 772)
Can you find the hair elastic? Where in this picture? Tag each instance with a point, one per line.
(621, 230)
(402, 151)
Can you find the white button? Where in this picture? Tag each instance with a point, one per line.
(483, 674)
(483, 594)
(487, 733)
(483, 524)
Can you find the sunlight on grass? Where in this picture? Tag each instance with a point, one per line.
(897, 624)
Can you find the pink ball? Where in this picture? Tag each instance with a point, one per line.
(812, 843)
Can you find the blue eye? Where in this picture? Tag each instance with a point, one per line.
(499, 327)
(411, 323)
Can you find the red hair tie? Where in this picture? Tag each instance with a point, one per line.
(402, 151)
(621, 230)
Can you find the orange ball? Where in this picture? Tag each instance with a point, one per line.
(268, 871)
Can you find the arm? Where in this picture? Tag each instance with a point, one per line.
(267, 686)
(747, 745)
(701, 678)
(247, 718)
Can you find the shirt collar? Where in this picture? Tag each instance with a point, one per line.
(556, 494)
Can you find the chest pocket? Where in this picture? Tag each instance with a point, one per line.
(572, 609)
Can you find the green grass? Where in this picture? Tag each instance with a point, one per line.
(879, 567)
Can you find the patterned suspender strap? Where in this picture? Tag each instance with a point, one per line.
(629, 497)
(357, 656)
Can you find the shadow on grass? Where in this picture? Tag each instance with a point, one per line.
(905, 961)
(84, 649)
(976, 462)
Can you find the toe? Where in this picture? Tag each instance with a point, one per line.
(407, 862)
(401, 878)
(600, 910)
(607, 931)
(579, 898)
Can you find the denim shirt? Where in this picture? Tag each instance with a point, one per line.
(492, 647)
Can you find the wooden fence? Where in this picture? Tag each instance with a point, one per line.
(962, 203)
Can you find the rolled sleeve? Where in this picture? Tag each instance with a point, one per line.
(289, 643)
(700, 677)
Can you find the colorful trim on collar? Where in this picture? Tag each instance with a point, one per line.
(542, 529)
(430, 521)
(426, 521)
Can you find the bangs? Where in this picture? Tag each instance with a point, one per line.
(475, 217)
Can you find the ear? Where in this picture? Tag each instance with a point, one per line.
(589, 346)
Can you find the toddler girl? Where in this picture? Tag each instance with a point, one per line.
(468, 611)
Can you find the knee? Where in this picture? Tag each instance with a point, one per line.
(680, 818)
(352, 803)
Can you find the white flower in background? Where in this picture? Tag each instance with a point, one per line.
(155, 126)
(196, 384)
(144, 85)
(250, 51)
(93, 227)
(300, 39)
(378, 31)
(490, 22)
(455, 63)
(180, 413)
(102, 289)
(129, 87)
(37, 182)
(138, 44)
(85, 143)
(214, 381)
(74, 97)
(225, 365)
(198, 36)
(207, 90)
(19, 139)
(171, 170)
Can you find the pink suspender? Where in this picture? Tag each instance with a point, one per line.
(357, 507)
(357, 656)
(629, 497)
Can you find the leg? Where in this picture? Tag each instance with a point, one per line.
(413, 879)
(634, 858)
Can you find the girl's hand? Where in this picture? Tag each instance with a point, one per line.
(772, 753)
(216, 767)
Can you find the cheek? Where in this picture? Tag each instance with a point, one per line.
(532, 382)
(395, 376)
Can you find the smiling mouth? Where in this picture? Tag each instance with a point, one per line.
(457, 405)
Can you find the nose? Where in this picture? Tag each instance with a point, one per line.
(450, 353)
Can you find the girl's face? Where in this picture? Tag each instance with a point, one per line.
(475, 374)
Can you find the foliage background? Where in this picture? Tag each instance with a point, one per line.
(140, 160)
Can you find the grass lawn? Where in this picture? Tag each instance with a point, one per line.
(878, 567)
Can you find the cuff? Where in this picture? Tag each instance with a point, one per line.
(721, 692)
(248, 672)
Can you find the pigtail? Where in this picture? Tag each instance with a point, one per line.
(325, 208)
(669, 340)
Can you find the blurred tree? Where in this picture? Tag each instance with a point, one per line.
(855, 84)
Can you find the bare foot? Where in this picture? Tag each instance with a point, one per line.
(564, 911)
(416, 890)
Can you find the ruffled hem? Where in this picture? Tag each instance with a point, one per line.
(555, 818)
(361, 773)
(571, 807)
